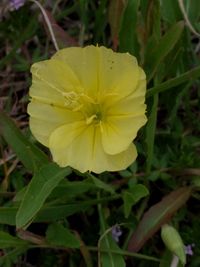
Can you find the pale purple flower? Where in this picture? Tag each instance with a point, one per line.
(188, 249)
(16, 4)
(116, 232)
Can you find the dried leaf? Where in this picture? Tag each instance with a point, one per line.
(156, 216)
(62, 37)
(115, 12)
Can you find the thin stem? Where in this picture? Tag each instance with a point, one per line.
(188, 23)
(48, 23)
(124, 253)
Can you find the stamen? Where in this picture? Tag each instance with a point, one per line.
(90, 119)
(72, 100)
(87, 98)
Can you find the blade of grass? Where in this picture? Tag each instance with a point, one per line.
(150, 133)
(185, 77)
(165, 45)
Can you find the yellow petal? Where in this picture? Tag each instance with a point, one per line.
(119, 131)
(81, 148)
(100, 69)
(124, 118)
(105, 162)
(129, 106)
(51, 80)
(118, 72)
(44, 119)
(65, 141)
(84, 63)
(44, 93)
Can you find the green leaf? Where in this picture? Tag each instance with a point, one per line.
(40, 187)
(132, 196)
(69, 190)
(150, 133)
(170, 84)
(58, 235)
(31, 156)
(157, 215)
(193, 10)
(7, 215)
(170, 11)
(8, 241)
(46, 214)
(156, 54)
(128, 31)
(101, 184)
(109, 259)
(51, 213)
(173, 242)
(54, 213)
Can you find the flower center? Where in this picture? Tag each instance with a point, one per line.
(91, 109)
(94, 114)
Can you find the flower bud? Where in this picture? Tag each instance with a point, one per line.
(173, 242)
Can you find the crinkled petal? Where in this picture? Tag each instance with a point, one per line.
(84, 64)
(81, 148)
(51, 80)
(118, 72)
(119, 131)
(44, 119)
(116, 104)
(130, 106)
(124, 117)
(44, 93)
(100, 69)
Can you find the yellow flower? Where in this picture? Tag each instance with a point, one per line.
(87, 105)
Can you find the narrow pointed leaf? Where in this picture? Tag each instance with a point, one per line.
(128, 40)
(31, 156)
(40, 187)
(162, 49)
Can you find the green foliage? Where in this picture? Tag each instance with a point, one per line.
(69, 216)
(128, 41)
(132, 196)
(59, 235)
(40, 187)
